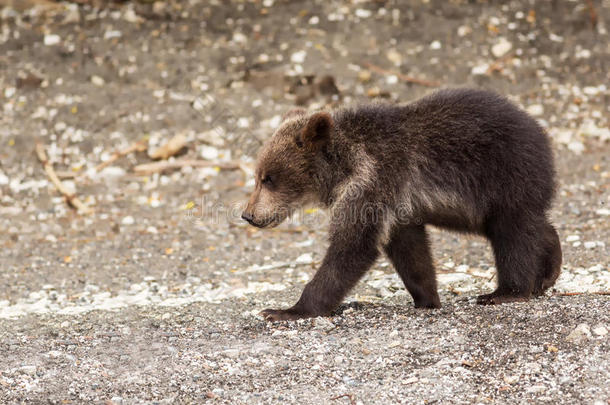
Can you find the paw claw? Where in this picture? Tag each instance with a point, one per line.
(274, 315)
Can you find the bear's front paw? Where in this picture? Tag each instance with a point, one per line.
(273, 315)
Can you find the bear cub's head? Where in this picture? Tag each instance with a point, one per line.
(287, 166)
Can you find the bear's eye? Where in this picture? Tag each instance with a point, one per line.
(267, 180)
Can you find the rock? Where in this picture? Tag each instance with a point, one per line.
(364, 76)
(209, 152)
(535, 109)
(3, 179)
(97, 81)
(479, 70)
(321, 323)
(581, 334)
(363, 13)
(29, 370)
(435, 45)
(111, 174)
(464, 30)
(511, 379)
(212, 137)
(298, 57)
(501, 48)
(128, 220)
(231, 353)
(394, 56)
(305, 258)
(576, 147)
(600, 330)
(51, 39)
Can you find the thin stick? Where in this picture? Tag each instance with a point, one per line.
(571, 294)
(136, 147)
(48, 168)
(157, 167)
(352, 401)
(592, 13)
(403, 77)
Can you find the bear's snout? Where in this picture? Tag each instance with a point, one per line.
(246, 216)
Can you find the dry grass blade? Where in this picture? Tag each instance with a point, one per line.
(139, 146)
(48, 168)
(575, 293)
(170, 148)
(164, 166)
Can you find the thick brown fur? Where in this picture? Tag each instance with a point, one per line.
(461, 159)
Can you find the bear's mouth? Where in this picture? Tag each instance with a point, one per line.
(270, 222)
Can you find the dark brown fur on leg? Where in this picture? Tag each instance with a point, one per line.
(517, 242)
(551, 260)
(346, 261)
(409, 252)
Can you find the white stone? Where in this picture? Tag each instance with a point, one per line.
(97, 80)
(112, 34)
(511, 379)
(298, 57)
(590, 244)
(29, 370)
(239, 38)
(535, 109)
(462, 268)
(209, 152)
(128, 220)
(52, 39)
(363, 13)
(480, 70)
(501, 48)
(600, 330)
(576, 147)
(572, 238)
(394, 56)
(436, 45)
(391, 79)
(603, 211)
(464, 30)
(305, 258)
(580, 334)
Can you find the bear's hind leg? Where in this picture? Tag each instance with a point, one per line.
(551, 260)
(409, 251)
(517, 244)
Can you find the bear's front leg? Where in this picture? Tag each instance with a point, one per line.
(349, 256)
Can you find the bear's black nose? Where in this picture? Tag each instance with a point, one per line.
(246, 216)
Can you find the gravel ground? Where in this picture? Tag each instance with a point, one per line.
(153, 297)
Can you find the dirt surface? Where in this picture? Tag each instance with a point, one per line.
(153, 297)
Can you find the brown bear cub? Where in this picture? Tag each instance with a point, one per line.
(461, 159)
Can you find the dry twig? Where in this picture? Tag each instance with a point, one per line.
(170, 148)
(48, 168)
(352, 401)
(139, 146)
(592, 13)
(574, 293)
(403, 77)
(163, 166)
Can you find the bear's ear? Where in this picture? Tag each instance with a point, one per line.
(294, 113)
(317, 131)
